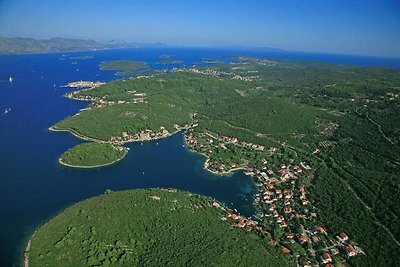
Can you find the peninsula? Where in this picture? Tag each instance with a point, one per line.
(152, 227)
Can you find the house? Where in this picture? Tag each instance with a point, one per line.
(233, 216)
(302, 239)
(329, 265)
(287, 210)
(344, 236)
(270, 172)
(240, 224)
(286, 250)
(283, 166)
(271, 149)
(326, 257)
(350, 251)
(334, 251)
(320, 229)
(273, 242)
(270, 186)
(289, 235)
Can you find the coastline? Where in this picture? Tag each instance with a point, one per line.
(205, 165)
(28, 249)
(77, 134)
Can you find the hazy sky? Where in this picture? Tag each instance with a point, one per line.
(369, 27)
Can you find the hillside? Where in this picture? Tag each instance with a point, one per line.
(325, 134)
(150, 227)
(18, 45)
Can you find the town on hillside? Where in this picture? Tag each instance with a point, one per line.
(285, 215)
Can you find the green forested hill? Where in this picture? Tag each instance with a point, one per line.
(148, 228)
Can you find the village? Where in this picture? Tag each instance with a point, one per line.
(217, 73)
(99, 102)
(144, 135)
(285, 216)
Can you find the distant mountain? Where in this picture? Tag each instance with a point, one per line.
(18, 45)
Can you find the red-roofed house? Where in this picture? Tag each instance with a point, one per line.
(288, 210)
(350, 251)
(286, 250)
(320, 229)
(326, 257)
(344, 236)
(302, 239)
(233, 216)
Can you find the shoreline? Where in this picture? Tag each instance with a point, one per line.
(27, 250)
(205, 165)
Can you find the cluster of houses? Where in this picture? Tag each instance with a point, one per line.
(245, 78)
(216, 73)
(258, 61)
(141, 136)
(84, 84)
(207, 143)
(283, 207)
(285, 214)
(100, 102)
(211, 72)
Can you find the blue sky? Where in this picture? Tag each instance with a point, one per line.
(366, 27)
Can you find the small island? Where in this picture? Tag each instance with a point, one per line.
(150, 227)
(91, 155)
(123, 65)
(167, 62)
(138, 73)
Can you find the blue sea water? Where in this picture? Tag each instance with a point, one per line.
(34, 186)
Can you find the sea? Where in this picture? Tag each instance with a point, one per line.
(34, 187)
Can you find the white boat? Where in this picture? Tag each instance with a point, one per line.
(10, 79)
